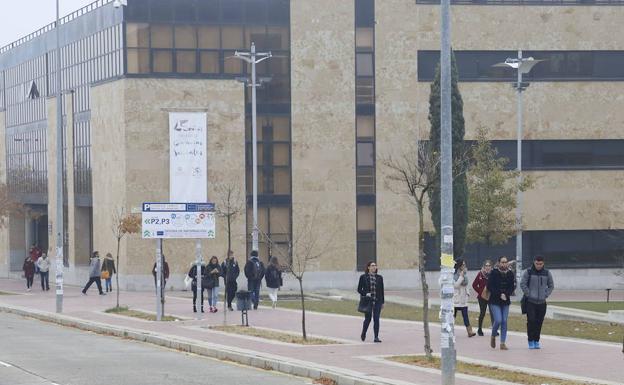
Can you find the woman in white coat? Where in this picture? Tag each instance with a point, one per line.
(460, 295)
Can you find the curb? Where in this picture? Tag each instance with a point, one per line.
(220, 352)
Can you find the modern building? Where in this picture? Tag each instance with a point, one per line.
(347, 86)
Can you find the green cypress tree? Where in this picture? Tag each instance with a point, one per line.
(460, 185)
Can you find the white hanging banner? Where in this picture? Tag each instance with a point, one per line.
(188, 180)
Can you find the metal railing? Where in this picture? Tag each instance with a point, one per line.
(527, 2)
(65, 19)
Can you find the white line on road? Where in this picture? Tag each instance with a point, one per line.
(5, 364)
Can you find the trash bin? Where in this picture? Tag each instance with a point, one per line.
(243, 300)
(243, 303)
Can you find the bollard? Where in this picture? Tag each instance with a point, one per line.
(608, 292)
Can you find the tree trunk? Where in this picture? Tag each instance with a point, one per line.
(423, 280)
(117, 275)
(229, 223)
(303, 325)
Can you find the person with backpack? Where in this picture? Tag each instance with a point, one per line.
(479, 285)
(108, 269)
(537, 284)
(273, 277)
(95, 272)
(43, 263)
(193, 274)
(254, 271)
(231, 271)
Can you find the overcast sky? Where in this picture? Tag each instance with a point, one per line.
(18, 18)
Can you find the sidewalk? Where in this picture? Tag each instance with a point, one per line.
(354, 362)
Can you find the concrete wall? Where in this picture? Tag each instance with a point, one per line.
(130, 127)
(323, 127)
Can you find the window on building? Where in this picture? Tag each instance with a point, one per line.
(209, 37)
(161, 36)
(364, 64)
(365, 126)
(185, 37)
(365, 154)
(364, 13)
(364, 38)
(209, 62)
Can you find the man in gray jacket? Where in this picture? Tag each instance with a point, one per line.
(537, 284)
(95, 272)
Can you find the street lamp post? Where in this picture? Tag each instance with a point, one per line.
(522, 66)
(59, 170)
(252, 57)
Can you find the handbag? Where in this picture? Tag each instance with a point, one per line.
(187, 282)
(365, 305)
(485, 294)
(105, 274)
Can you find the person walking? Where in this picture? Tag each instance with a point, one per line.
(43, 263)
(213, 272)
(371, 286)
(460, 294)
(254, 271)
(193, 274)
(94, 273)
(35, 252)
(231, 271)
(273, 277)
(537, 284)
(29, 272)
(479, 285)
(165, 273)
(500, 284)
(108, 269)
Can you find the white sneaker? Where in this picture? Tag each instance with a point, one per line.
(27, 289)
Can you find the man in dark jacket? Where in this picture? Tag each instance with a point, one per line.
(231, 270)
(254, 271)
(537, 284)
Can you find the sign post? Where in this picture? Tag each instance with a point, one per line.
(176, 221)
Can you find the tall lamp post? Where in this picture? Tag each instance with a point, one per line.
(522, 66)
(252, 57)
(59, 169)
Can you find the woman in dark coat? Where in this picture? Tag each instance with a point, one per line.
(213, 272)
(371, 286)
(273, 277)
(193, 274)
(29, 272)
(501, 284)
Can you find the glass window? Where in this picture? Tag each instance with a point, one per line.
(364, 13)
(278, 64)
(232, 11)
(365, 180)
(281, 180)
(365, 154)
(184, 10)
(366, 218)
(255, 11)
(364, 64)
(137, 10)
(278, 38)
(162, 36)
(281, 154)
(365, 252)
(186, 61)
(162, 10)
(232, 37)
(138, 61)
(281, 128)
(364, 91)
(256, 35)
(163, 60)
(279, 11)
(280, 219)
(208, 10)
(209, 37)
(365, 125)
(185, 37)
(364, 38)
(209, 62)
(231, 65)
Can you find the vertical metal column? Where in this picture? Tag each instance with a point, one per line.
(60, 233)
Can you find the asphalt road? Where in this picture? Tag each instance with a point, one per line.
(38, 353)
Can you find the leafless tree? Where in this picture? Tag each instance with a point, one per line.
(306, 246)
(123, 224)
(230, 204)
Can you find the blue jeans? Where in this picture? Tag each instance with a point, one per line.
(109, 285)
(45, 284)
(253, 287)
(499, 314)
(213, 296)
(375, 316)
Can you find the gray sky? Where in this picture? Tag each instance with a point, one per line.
(18, 18)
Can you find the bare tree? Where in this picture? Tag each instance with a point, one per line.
(123, 224)
(8, 205)
(413, 173)
(306, 246)
(230, 204)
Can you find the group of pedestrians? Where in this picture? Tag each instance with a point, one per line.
(229, 270)
(494, 286)
(36, 262)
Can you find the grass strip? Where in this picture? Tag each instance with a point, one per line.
(6, 293)
(123, 310)
(601, 307)
(578, 329)
(272, 335)
(488, 371)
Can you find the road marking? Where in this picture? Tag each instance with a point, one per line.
(5, 364)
